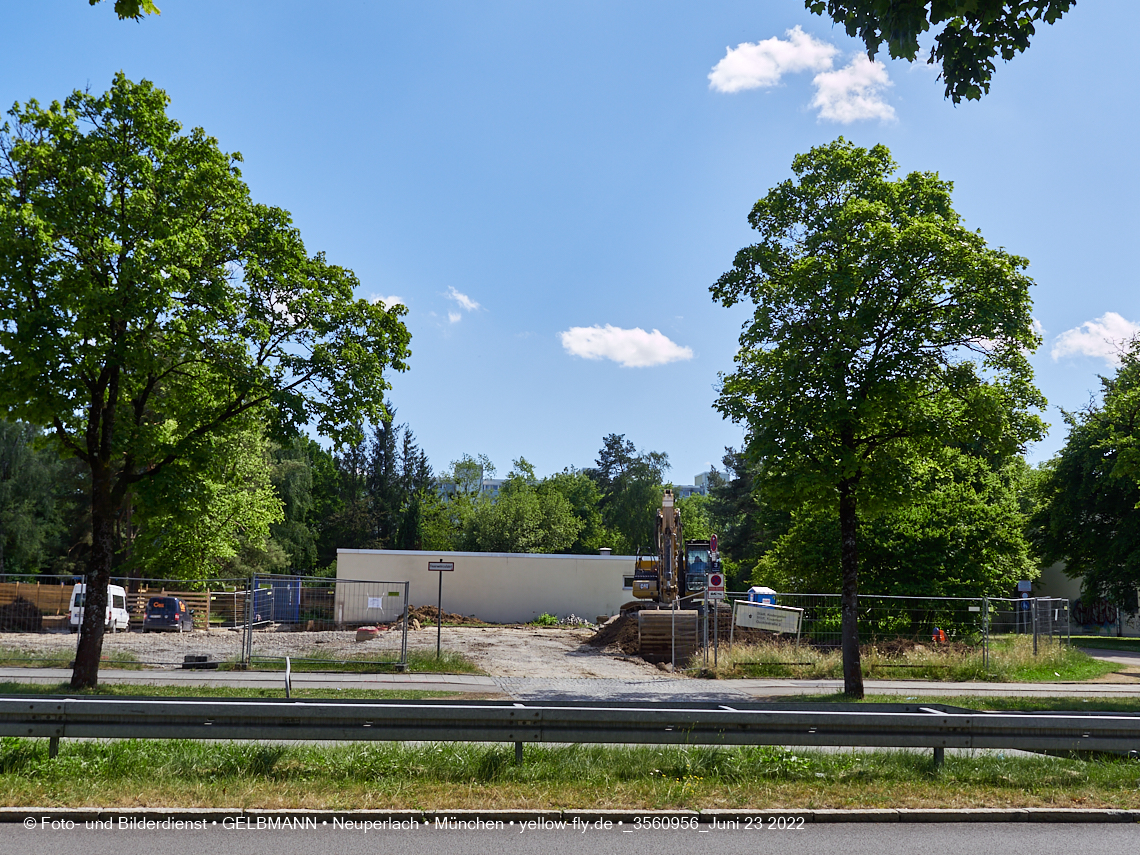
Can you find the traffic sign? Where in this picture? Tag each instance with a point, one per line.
(715, 587)
(712, 544)
(441, 565)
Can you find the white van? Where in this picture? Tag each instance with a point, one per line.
(117, 617)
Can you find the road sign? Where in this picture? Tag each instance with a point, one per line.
(712, 544)
(441, 565)
(716, 586)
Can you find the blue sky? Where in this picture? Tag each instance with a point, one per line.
(551, 188)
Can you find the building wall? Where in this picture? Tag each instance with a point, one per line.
(498, 587)
(1054, 583)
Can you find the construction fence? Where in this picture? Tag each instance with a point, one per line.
(280, 603)
(239, 623)
(972, 621)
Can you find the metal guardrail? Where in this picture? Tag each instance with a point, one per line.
(882, 725)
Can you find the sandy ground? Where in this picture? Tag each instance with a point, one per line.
(500, 651)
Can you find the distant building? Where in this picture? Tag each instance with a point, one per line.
(699, 487)
(703, 480)
(490, 488)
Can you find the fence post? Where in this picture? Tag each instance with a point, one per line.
(1034, 613)
(986, 634)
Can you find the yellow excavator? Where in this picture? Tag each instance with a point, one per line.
(666, 632)
(661, 577)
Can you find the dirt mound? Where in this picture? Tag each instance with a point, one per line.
(621, 631)
(427, 615)
(20, 615)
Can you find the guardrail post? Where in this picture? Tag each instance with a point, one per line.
(53, 747)
(939, 758)
(518, 753)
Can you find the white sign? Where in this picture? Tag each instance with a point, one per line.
(716, 595)
(441, 565)
(771, 618)
(375, 602)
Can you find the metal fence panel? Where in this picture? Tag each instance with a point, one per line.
(296, 604)
(883, 618)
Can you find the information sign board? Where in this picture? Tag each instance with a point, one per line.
(771, 618)
(441, 565)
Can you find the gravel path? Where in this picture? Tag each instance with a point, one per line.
(500, 651)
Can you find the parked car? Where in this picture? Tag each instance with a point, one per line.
(168, 614)
(116, 618)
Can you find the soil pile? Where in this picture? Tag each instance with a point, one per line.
(427, 615)
(21, 615)
(621, 631)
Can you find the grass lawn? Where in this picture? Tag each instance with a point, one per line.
(1011, 660)
(1107, 642)
(446, 776)
(138, 690)
(419, 662)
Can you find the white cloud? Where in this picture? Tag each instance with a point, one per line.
(854, 92)
(849, 94)
(755, 66)
(390, 301)
(454, 317)
(464, 302)
(633, 348)
(1105, 338)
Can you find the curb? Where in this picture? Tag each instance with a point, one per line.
(251, 818)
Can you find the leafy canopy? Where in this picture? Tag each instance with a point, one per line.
(146, 301)
(973, 34)
(883, 329)
(133, 9)
(883, 333)
(1089, 510)
(149, 307)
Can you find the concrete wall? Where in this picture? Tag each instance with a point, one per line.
(499, 587)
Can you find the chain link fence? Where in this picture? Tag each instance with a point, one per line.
(971, 621)
(1045, 618)
(882, 618)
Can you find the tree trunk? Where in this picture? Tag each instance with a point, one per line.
(85, 674)
(849, 561)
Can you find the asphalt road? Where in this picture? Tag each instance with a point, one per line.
(555, 688)
(811, 839)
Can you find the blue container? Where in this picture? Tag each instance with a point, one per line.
(761, 595)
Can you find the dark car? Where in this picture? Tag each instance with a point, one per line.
(167, 613)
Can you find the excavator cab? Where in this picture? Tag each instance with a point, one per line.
(698, 565)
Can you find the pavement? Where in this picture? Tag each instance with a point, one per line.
(554, 688)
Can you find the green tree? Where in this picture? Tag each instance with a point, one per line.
(631, 486)
(207, 512)
(33, 482)
(962, 534)
(522, 518)
(974, 32)
(584, 498)
(746, 520)
(883, 331)
(695, 516)
(133, 9)
(1089, 511)
(149, 306)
